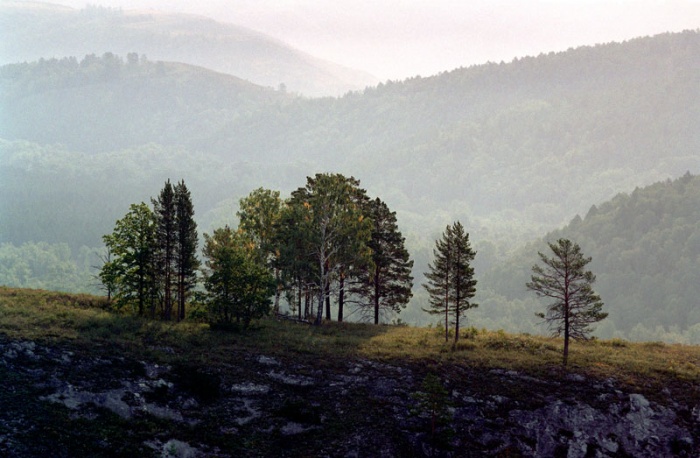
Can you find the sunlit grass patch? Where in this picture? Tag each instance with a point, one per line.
(27, 314)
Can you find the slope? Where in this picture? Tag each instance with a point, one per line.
(40, 30)
(511, 150)
(646, 255)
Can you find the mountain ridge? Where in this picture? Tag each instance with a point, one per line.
(45, 30)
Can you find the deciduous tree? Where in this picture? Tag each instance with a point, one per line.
(131, 273)
(259, 215)
(333, 219)
(238, 286)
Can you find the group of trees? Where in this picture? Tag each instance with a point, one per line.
(574, 307)
(151, 260)
(328, 240)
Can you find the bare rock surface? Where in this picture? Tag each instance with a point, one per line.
(61, 401)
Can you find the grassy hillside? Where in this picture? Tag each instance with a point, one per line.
(34, 30)
(212, 378)
(85, 320)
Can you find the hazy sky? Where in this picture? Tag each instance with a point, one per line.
(395, 39)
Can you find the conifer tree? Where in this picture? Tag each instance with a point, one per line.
(463, 281)
(439, 275)
(386, 281)
(166, 243)
(451, 283)
(186, 261)
(564, 280)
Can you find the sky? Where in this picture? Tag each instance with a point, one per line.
(397, 39)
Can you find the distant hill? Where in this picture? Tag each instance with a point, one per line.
(646, 254)
(33, 30)
(512, 150)
(526, 144)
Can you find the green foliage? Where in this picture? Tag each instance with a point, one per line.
(643, 246)
(434, 403)
(238, 286)
(624, 114)
(129, 273)
(186, 241)
(451, 283)
(386, 281)
(574, 307)
(330, 208)
(46, 265)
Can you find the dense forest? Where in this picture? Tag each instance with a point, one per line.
(512, 150)
(645, 247)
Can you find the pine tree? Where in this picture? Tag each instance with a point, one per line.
(439, 276)
(463, 282)
(386, 281)
(574, 307)
(166, 243)
(186, 262)
(451, 283)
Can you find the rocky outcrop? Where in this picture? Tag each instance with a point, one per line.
(261, 405)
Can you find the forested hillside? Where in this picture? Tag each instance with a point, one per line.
(33, 30)
(646, 254)
(511, 150)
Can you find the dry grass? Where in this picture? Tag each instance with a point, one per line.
(48, 316)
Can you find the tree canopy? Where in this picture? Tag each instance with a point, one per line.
(574, 307)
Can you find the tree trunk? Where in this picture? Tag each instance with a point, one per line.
(566, 340)
(299, 301)
(376, 296)
(456, 322)
(341, 297)
(278, 290)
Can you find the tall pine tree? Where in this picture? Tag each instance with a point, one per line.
(463, 281)
(166, 243)
(438, 285)
(186, 262)
(574, 307)
(386, 281)
(451, 283)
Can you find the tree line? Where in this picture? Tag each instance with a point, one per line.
(328, 240)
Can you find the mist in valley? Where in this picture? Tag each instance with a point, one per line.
(530, 120)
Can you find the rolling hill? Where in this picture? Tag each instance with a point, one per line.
(33, 30)
(645, 250)
(512, 150)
